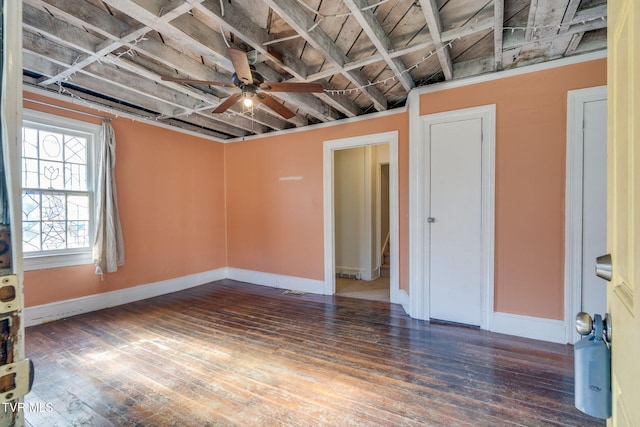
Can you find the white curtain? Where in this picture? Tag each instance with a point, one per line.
(108, 249)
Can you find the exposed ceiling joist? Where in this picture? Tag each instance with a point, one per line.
(121, 52)
(431, 14)
(498, 18)
(83, 43)
(380, 39)
(237, 23)
(305, 26)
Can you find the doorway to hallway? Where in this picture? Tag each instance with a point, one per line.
(334, 241)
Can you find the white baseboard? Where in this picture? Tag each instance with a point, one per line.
(276, 280)
(529, 327)
(61, 309)
(505, 323)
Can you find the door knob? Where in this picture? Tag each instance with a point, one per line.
(585, 324)
(603, 267)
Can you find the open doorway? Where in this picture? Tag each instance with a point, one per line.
(361, 222)
(373, 157)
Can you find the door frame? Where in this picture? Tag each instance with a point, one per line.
(11, 116)
(419, 208)
(573, 203)
(380, 239)
(329, 147)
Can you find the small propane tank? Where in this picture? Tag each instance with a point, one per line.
(592, 358)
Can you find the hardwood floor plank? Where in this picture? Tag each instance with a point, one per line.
(230, 353)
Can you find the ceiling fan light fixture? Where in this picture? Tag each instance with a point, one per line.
(247, 96)
(251, 84)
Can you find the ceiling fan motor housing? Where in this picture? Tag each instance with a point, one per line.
(256, 76)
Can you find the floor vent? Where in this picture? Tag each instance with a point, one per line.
(343, 275)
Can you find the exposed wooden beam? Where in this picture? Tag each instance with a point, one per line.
(198, 32)
(432, 16)
(301, 22)
(592, 44)
(372, 27)
(237, 23)
(498, 16)
(81, 14)
(58, 30)
(209, 101)
(115, 90)
(569, 13)
(512, 42)
(101, 23)
(116, 107)
(81, 42)
(549, 18)
(191, 33)
(467, 29)
(92, 14)
(573, 44)
(425, 46)
(115, 83)
(531, 20)
(590, 15)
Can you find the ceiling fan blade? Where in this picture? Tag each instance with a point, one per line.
(224, 105)
(199, 82)
(274, 105)
(292, 87)
(240, 65)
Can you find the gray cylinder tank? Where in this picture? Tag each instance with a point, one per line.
(592, 359)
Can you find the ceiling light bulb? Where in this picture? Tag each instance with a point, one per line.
(248, 102)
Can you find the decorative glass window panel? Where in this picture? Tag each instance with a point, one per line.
(57, 196)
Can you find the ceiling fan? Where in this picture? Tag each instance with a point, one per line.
(253, 86)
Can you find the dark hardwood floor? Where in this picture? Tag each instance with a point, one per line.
(230, 353)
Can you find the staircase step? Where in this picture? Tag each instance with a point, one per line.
(385, 270)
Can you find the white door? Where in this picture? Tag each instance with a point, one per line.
(623, 215)
(594, 204)
(456, 222)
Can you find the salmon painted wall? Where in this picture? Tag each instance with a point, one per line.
(531, 114)
(172, 196)
(171, 200)
(277, 226)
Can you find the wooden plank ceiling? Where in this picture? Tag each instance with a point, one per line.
(367, 54)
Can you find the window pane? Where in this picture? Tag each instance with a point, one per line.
(30, 236)
(51, 175)
(29, 142)
(50, 145)
(75, 149)
(56, 197)
(78, 207)
(53, 235)
(30, 173)
(75, 177)
(30, 206)
(78, 234)
(53, 206)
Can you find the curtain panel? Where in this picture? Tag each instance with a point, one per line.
(108, 249)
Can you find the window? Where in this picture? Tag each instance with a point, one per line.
(57, 191)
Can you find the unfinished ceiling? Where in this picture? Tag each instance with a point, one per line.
(367, 54)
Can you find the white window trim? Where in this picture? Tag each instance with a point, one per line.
(71, 257)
